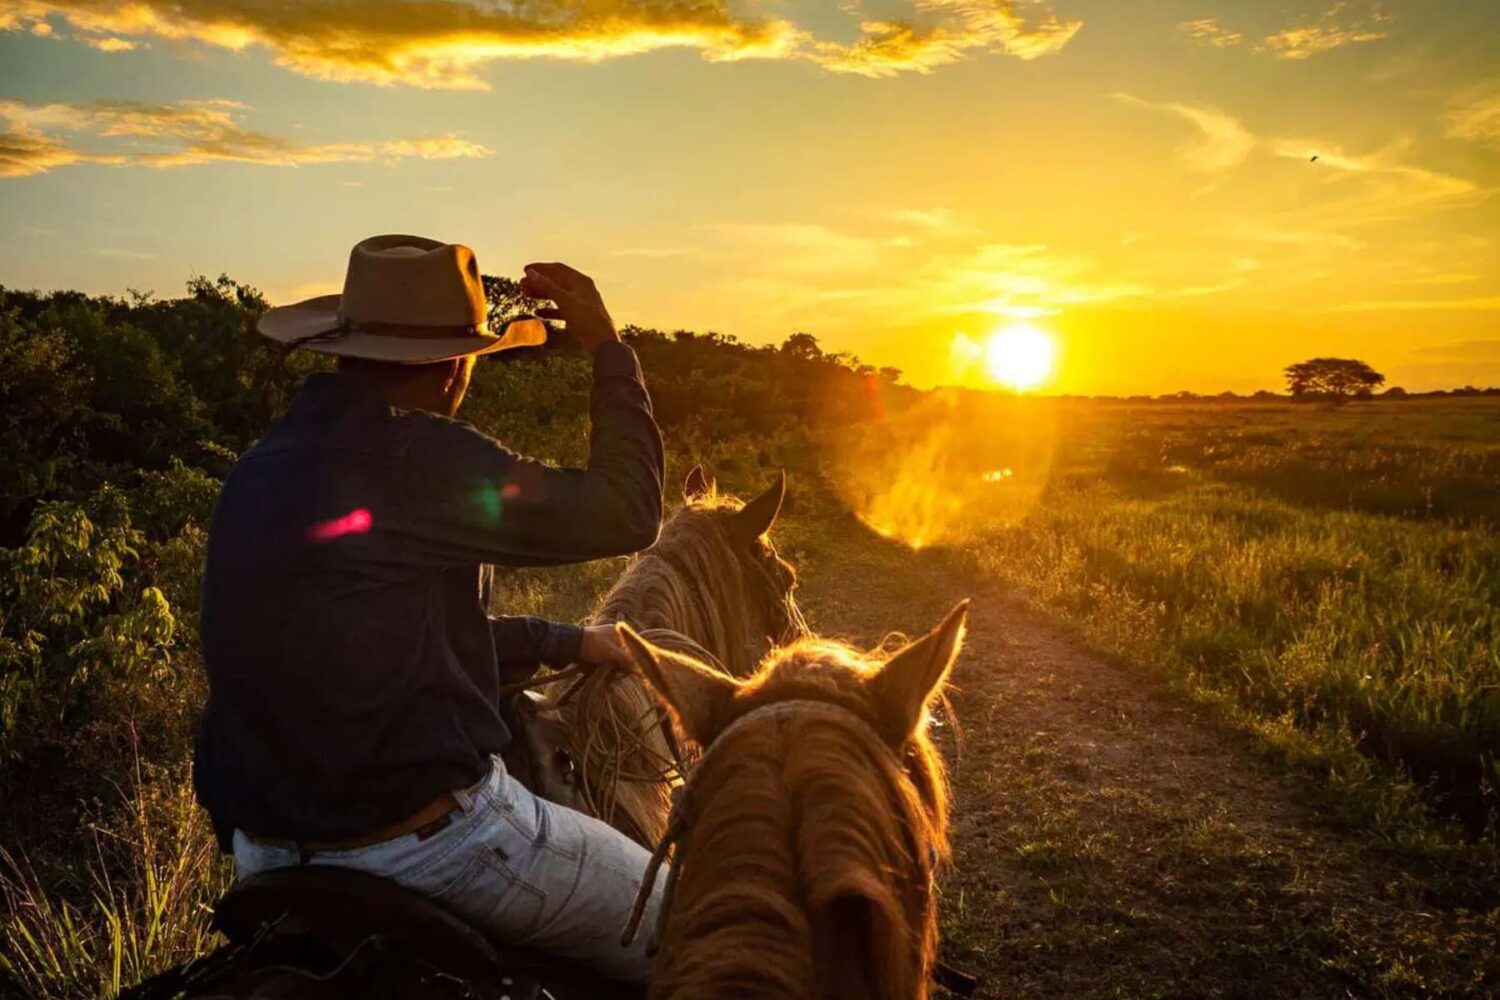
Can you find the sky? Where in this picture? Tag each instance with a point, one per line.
(900, 178)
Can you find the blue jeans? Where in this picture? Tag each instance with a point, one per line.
(529, 872)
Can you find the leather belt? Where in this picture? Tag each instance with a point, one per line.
(426, 822)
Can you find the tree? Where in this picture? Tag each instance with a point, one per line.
(803, 346)
(1332, 378)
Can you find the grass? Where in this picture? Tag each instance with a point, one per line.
(141, 903)
(1329, 578)
(1330, 574)
(1112, 840)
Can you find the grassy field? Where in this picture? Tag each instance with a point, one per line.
(1331, 574)
(1326, 579)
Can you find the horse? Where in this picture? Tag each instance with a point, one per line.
(808, 836)
(713, 585)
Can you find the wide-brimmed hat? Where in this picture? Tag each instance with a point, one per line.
(406, 299)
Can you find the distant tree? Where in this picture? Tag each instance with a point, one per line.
(889, 374)
(505, 301)
(1395, 392)
(1332, 378)
(803, 346)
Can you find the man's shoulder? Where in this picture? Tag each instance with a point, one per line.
(429, 424)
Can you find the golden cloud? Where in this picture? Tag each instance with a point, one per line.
(109, 43)
(444, 43)
(945, 32)
(1345, 23)
(1206, 31)
(23, 150)
(1224, 142)
(182, 134)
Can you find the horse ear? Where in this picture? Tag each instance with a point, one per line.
(696, 693)
(907, 683)
(697, 484)
(759, 514)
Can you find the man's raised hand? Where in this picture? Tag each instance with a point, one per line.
(575, 301)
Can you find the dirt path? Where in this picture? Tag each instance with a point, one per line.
(1112, 841)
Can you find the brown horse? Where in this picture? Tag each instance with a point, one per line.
(713, 584)
(808, 835)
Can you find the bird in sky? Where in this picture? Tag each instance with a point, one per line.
(1313, 160)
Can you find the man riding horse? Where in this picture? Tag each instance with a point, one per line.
(354, 712)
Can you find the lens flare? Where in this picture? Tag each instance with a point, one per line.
(356, 522)
(1021, 357)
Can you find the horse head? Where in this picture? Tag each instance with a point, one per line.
(809, 833)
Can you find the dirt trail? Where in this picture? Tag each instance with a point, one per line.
(1112, 841)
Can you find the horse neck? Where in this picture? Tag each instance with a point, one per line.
(792, 880)
(659, 592)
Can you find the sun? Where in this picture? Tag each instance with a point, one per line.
(1021, 357)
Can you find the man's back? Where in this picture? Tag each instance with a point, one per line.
(351, 661)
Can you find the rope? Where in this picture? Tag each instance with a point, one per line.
(611, 736)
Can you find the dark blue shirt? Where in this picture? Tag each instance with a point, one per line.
(352, 664)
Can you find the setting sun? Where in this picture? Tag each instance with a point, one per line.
(1021, 357)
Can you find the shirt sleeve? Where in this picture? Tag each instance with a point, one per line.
(524, 640)
(470, 499)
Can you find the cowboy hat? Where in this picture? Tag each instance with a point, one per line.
(407, 300)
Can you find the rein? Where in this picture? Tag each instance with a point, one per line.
(614, 735)
(679, 822)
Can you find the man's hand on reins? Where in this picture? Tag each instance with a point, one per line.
(603, 647)
(576, 302)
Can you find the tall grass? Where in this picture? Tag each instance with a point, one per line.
(1331, 573)
(141, 904)
(1336, 568)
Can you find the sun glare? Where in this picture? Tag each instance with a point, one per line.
(1021, 357)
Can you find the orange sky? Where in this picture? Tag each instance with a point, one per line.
(1136, 179)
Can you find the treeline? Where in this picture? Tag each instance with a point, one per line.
(120, 419)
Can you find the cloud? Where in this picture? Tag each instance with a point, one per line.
(445, 43)
(1206, 31)
(110, 44)
(1367, 188)
(1345, 23)
(24, 150)
(1224, 142)
(181, 134)
(1021, 280)
(1389, 190)
(946, 32)
(1476, 117)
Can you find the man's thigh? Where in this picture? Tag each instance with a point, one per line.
(550, 878)
(527, 871)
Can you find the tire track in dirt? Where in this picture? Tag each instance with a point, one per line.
(1110, 840)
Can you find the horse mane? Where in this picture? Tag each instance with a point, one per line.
(811, 847)
(700, 581)
(699, 589)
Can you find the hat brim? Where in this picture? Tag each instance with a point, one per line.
(313, 318)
